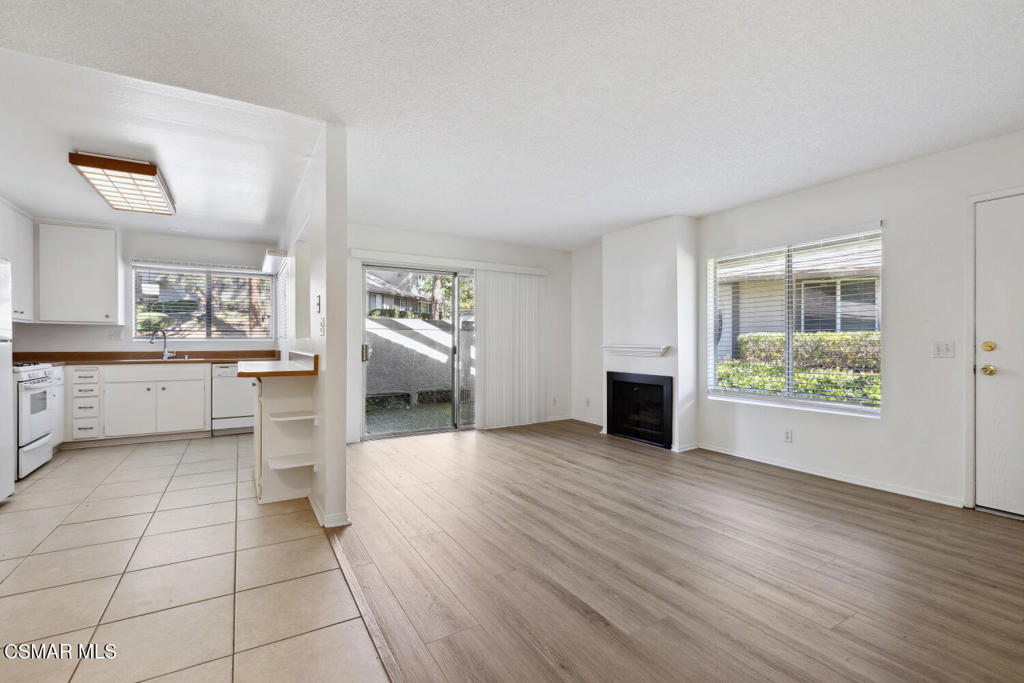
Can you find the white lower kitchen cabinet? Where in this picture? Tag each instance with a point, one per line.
(129, 408)
(181, 406)
(113, 401)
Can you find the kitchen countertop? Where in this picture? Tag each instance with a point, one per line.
(297, 365)
(143, 357)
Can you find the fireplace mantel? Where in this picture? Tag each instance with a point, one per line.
(636, 349)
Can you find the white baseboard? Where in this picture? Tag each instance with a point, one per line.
(684, 448)
(841, 476)
(128, 440)
(333, 520)
(557, 418)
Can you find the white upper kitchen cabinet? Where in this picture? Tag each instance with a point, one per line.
(79, 275)
(17, 246)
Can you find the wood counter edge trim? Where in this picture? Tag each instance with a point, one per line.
(315, 370)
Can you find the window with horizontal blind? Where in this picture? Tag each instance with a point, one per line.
(194, 303)
(801, 322)
(282, 300)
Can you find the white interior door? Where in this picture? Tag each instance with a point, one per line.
(999, 355)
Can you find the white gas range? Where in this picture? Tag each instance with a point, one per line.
(38, 413)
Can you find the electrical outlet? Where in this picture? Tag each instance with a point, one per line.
(588, 402)
(323, 327)
(788, 436)
(115, 333)
(943, 349)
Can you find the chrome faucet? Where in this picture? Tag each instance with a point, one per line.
(152, 340)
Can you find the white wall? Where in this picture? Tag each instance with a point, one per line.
(919, 445)
(588, 382)
(557, 313)
(649, 297)
(50, 337)
(318, 217)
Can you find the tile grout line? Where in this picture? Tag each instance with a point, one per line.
(234, 573)
(126, 565)
(249, 649)
(297, 635)
(138, 495)
(70, 512)
(238, 484)
(123, 572)
(171, 564)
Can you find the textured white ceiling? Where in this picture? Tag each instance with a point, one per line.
(551, 122)
(231, 167)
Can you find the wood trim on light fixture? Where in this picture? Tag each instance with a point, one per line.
(112, 164)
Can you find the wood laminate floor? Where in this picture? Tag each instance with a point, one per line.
(550, 552)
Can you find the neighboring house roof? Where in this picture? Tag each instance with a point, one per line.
(848, 260)
(377, 285)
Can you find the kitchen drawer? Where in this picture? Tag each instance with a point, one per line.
(85, 375)
(85, 428)
(156, 372)
(85, 407)
(82, 390)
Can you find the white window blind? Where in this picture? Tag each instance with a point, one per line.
(799, 322)
(281, 314)
(198, 303)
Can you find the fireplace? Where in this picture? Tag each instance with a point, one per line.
(640, 407)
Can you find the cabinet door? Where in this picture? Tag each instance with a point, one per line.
(129, 408)
(78, 275)
(16, 245)
(181, 406)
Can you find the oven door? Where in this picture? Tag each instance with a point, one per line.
(35, 418)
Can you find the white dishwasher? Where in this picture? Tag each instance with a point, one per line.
(234, 399)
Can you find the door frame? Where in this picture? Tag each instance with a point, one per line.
(456, 378)
(969, 356)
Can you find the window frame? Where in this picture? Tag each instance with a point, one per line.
(793, 313)
(838, 282)
(208, 271)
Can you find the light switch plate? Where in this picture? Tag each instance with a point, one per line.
(943, 349)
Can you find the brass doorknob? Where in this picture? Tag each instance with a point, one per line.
(988, 369)
(988, 346)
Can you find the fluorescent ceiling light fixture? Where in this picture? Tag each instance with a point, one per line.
(125, 184)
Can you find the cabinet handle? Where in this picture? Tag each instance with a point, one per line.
(149, 388)
(106, 315)
(86, 429)
(163, 388)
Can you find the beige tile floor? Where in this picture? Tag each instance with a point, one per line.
(162, 550)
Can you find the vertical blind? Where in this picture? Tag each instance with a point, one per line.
(802, 321)
(193, 303)
(510, 388)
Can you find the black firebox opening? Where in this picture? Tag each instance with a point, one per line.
(640, 407)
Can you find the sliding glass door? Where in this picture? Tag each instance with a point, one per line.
(417, 351)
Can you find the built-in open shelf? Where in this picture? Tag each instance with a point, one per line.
(294, 416)
(287, 462)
